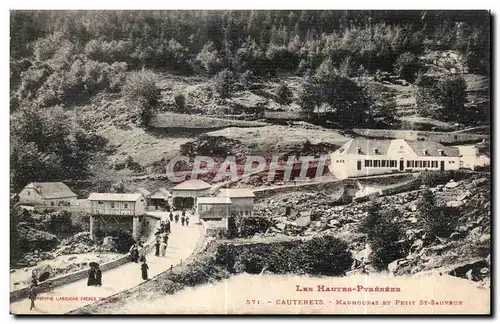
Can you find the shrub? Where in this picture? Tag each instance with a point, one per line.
(223, 83)
(326, 255)
(451, 95)
(439, 221)
(142, 86)
(382, 234)
(210, 59)
(180, 101)
(124, 241)
(284, 95)
(250, 226)
(407, 66)
(247, 78)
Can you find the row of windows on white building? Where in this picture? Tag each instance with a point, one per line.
(394, 164)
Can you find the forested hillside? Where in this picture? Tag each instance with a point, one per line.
(78, 78)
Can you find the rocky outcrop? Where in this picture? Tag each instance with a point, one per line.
(31, 239)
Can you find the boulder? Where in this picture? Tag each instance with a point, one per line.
(412, 207)
(479, 182)
(334, 223)
(303, 221)
(451, 184)
(456, 236)
(454, 203)
(464, 195)
(280, 226)
(485, 238)
(462, 229)
(475, 233)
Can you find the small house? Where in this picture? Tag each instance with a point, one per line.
(117, 203)
(159, 198)
(49, 194)
(214, 212)
(115, 211)
(185, 194)
(242, 200)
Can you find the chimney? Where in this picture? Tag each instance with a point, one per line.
(375, 150)
(358, 150)
(440, 152)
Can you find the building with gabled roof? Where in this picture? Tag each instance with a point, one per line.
(184, 195)
(118, 211)
(54, 194)
(159, 198)
(214, 212)
(364, 157)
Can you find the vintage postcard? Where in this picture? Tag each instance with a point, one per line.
(250, 162)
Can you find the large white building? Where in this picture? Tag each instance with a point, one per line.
(364, 157)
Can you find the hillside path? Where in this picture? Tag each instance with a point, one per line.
(182, 243)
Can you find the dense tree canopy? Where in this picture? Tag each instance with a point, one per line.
(47, 145)
(268, 40)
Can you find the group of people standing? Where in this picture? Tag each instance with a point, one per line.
(137, 254)
(161, 243)
(184, 218)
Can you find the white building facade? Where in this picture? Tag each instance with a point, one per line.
(365, 157)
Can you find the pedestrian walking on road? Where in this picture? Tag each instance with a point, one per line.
(134, 253)
(91, 280)
(157, 247)
(187, 221)
(176, 218)
(32, 295)
(98, 276)
(171, 216)
(164, 249)
(144, 270)
(183, 220)
(168, 227)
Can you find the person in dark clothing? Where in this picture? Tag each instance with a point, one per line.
(157, 247)
(171, 216)
(187, 221)
(176, 218)
(168, 227)
(91, 281)
(182, 220)
(98, 276)
(144, 270)
(183, 212)
(134, 253)
(32, 295)
(165, 239)
(34, 281)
